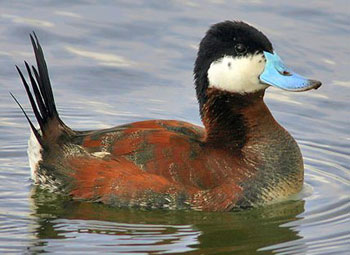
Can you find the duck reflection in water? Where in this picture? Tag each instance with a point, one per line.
(121, 229)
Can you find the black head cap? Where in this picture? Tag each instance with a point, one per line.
(233, 38)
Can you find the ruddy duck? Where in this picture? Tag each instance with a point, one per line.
(241, 158)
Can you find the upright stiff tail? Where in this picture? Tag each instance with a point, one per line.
(43, 102)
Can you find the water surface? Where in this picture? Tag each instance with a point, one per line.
(121, 61)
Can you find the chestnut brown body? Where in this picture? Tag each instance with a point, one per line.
(244, 160)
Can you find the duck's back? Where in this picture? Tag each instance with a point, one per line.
(162, 163)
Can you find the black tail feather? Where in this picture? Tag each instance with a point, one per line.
(35, 131)
(43, 103)
(40, 89)
(31, 99)
(37, 93)
(44, 80)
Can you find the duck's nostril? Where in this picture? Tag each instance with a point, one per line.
(285, 73)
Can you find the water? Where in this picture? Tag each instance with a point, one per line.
(123, 61)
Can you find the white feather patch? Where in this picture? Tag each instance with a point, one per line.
(100, 154)
(34, 155)
(237, 74)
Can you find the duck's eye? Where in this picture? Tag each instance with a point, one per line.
(240, 48)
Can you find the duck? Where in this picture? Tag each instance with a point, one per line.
(240, 158)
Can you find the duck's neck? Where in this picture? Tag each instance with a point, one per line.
(243, 126)
(231, 119)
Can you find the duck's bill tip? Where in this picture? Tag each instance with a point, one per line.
(311, 84)
(315, 84)
(306, 85)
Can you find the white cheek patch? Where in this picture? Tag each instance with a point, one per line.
(237, 74)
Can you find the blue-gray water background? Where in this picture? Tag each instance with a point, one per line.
(113, 62)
